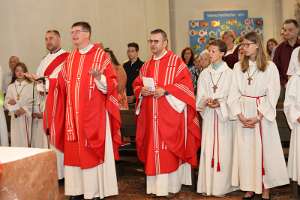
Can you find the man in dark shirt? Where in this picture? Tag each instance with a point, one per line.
(284, 51)
(132, 68)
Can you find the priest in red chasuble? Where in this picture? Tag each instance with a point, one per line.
(87, 119)
(168, 131)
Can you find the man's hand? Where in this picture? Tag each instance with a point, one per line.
(31, 76)
(96, 74)
(131, 99)
(12, 102)
(159, 92)
(146, 92)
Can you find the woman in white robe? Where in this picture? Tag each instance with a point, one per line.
(215, 168)
(18, 101)
(258, 161)
(292, 113)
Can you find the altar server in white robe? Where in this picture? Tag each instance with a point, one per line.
(292, 112)
(215, 168)
(3, 126)
(18, 100)
(258, 161)
(48, 69)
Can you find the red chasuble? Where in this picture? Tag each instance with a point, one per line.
(166, 138)
(47, 119)
(79, 122)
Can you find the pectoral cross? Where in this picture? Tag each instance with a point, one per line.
(249, 80)
(18, 97)
(215, 87)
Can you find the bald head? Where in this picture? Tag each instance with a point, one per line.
(12, 62)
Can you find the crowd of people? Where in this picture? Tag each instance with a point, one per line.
(221, 102)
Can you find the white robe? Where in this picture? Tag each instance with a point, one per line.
(101, 180)
(215, 143)
(248, 153)
(294, 63)
(40, 139)
(3, 126)
(20, 126)
(292, 113)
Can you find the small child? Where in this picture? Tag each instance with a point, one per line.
(18, 101)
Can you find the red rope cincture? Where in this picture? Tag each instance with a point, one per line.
(257, 98)
(216, 133)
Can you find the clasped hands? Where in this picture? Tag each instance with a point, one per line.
(212, 103)
(158, 92)
(249, 122)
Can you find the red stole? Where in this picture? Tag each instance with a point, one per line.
(47, 119)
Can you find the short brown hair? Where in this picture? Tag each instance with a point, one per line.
(220, 44)
(56, 32)
(229, 33)
(291, 21)
(84, 25)
(160, 31)
(261, 58)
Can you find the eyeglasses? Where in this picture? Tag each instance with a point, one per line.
(246, 44)
(77, 31)
(153, 41)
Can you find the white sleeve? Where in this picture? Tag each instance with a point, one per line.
(101, 84)
(175, 103)
(294, 63)
(233, 100)
(291, 106)
(268, 106)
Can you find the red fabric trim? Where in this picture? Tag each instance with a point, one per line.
(55, 63)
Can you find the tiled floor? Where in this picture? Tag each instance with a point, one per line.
(131, 181)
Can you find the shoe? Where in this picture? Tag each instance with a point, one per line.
(77, 197)
(266, 198)
(250, 197)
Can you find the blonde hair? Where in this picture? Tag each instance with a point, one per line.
(261, 58)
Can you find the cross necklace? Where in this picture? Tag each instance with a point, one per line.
(215, 85)
(250, 78)
(19, 92)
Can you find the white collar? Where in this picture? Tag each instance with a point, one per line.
(222, 68)
(160, 57)
(86, 49)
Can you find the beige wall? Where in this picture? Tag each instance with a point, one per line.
(183, 11)
(117, 22)
(114, 22)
